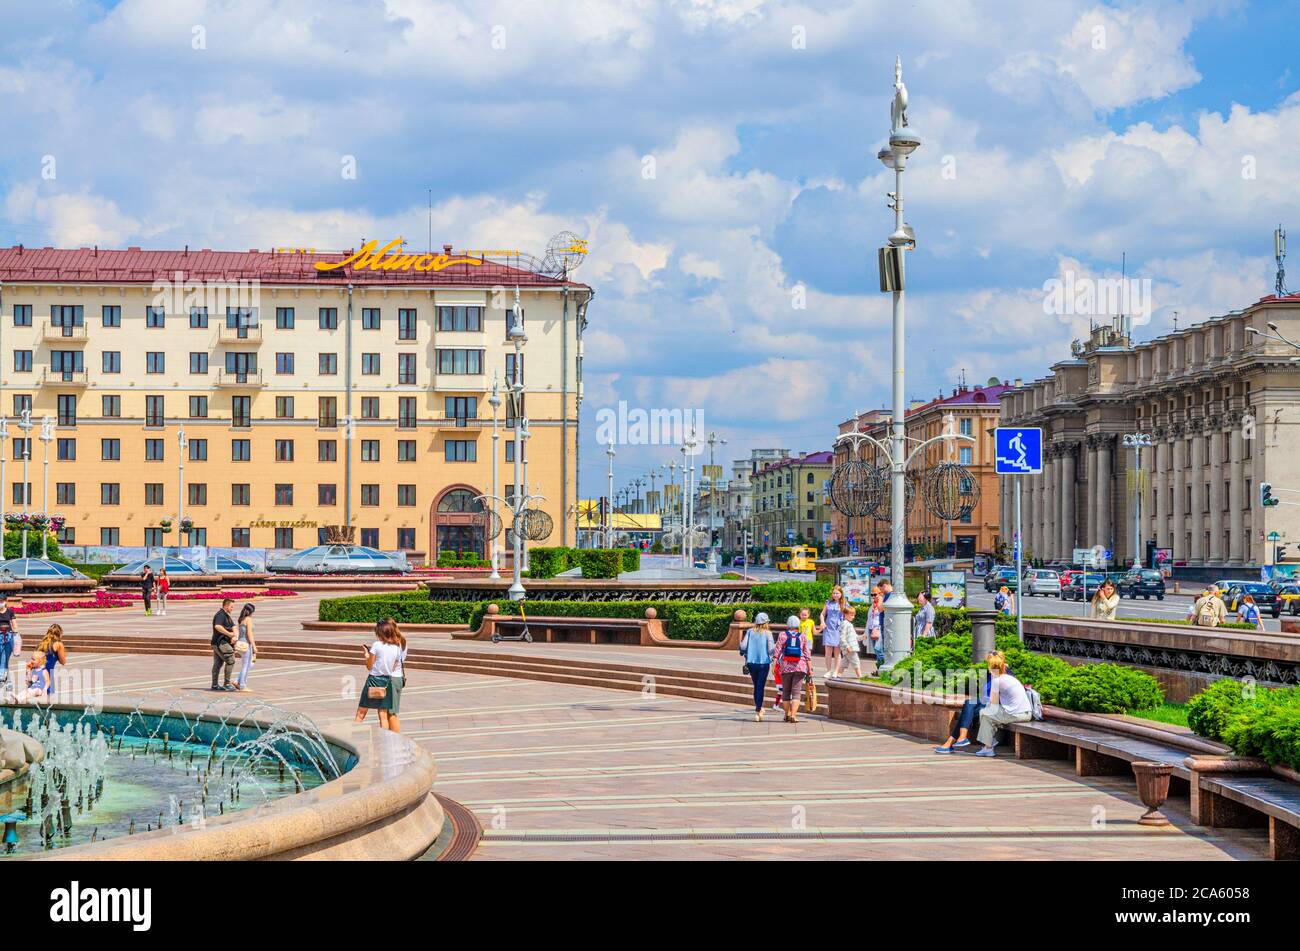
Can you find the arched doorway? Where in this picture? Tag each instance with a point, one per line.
(456, 523)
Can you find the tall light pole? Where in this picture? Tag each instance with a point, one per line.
(524, 434)
(349, 424)
(638, 482)
(652, 475)
(902, 142)
(47, 436)
(25, 424)
(1136, 441)
(609, 500)
(518, 337)
(4, 486)
(181, 445)
(495, 402)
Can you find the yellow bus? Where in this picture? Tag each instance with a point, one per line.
(796, 558)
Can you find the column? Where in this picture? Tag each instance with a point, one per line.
(1105, 531)
(1090, 490)
(1216, 554)
(1051, 477)
(1067, 501)
(1037, 482)
(1160, 484)
(1178, 482)
(1237, 502)
(1196, 492)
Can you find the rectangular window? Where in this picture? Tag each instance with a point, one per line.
(153, 493)
(198, 317)
(327, 410)
(459, 361)
(22, 361)
(369, 495)
(327, 450)
(370, 364)
(67, 409)
(370, 450)
(965, 427)
(329, 318)
(199, 537)
(18, 494)
(406, 323)
(67, 363)
(965, 455)
(154, 414)
(369, 318)
(110, 493)
(198, 450)
(283, 493)
(460, 318)
(284, 407)
(240, 493)
(111, 315)
(198, 493)
(198, 407)
(154, 317)
(406, 368)
(65, 493)
(406, 412)
(240, 320)
(329, 364)
(284, 318)
(111, 537)
(155, 362)
(327, 494)
(239, 538)
(510, 450)
(406, 450)
(67, 450)
(22, 315)
(460, 408)
(406, 495)
(112, 361)
(241, 411)
(154, 538)
(66, 536)
(369, 407)
(406, 539)
(199, 361)
(284, 364)
(284, 450)
(510, 368)
(460, 450)
(22, 401)
(110, 407)
(284, 538)
(110, 450)
(66, 317)
(241, 450)
(370, 537)
(153, 450)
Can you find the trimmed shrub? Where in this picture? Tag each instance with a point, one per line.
(807, 592)
(598, 562)
(1211, 710)
(94, 571)
(547, 562)
(1102, 688)
(373, 608)
(1268, 727)
(631, 559)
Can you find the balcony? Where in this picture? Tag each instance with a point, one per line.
(239, 379)
(240, 336)
(64, 378)
(443, 421)
(63, 333)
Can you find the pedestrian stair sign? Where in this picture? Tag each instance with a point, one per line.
(1018, 451)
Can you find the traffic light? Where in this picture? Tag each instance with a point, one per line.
(1280, 554)
(1266, 495)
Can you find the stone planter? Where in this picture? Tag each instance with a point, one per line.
(1153, 790)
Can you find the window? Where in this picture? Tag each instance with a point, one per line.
(459, 361)
(510, 450)
(370, 537)
(369, 318)
(18, 494)
(406, 323)
(199, 361)
(155, 362)
(66, 536)
(67, 363)
(406, 413)
(153, 411)
(329, 364)
(153, 538)
(198, 407)
(153, 450)
(406, 539)
(110, 536)
(369, 495)
(112, 361)
(460, 500)
(965, 455)
(965, 427)
(460, 318)
(510, 321)
(406, 368)
(370, 450)
(514, 406)
(67, 450)
(284, 318)
(284, 364)
(510, 368)
(239, 538)
(199, 537)
(240, 493)
(22, 361)
(406, 495)
(283, 493)
(111, 315)
(198, 493)
(66, 317)
(240, 320)
(460, 408)
(327, 494)
(65, 493)
(240, 450)
(284, 407)
(327, 450)
(370, 364)
(110, 407)
(369, 407)
(110, 450)
(67, 409)
(22, 401)
(198, 450)
(22, 315)
(284, 450)
(241, 411)
(406, 450)
(241, 365)
(284, 538)
(110, 493)
(460, 450)
(154, 317)
(329, 318)
(198, 317)
(153, 493)
(327, 410)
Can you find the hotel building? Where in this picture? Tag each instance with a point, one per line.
(262, 358)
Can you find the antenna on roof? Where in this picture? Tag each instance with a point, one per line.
(430, 221)
(1279, 255)
(1175, 321)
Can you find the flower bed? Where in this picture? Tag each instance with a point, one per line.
(124, 599)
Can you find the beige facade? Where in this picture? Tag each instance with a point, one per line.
(789, 501)
(1222, 408)
(263, 394)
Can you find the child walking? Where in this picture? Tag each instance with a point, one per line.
(849, 645)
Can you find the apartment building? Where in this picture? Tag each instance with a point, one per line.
(790, 502)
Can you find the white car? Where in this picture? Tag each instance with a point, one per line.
(1043, 582)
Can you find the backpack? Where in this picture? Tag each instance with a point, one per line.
(1035, 703)
(1206, 616)
(793, 645)
(999, 601)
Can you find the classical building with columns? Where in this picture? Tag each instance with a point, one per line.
(1221, 404)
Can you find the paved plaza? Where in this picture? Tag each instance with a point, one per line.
(554, 771)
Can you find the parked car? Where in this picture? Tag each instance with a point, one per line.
(1266, 598)
(1073, 590)
(1043, 582)
(1000, 576)
(1227, 584)
(1145, 582)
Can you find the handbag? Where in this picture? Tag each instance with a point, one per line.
(376, 692)
(241, 646)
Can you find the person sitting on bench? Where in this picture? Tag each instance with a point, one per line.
(959, 736)
(1008, 703)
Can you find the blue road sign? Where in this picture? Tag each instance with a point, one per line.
(1018, 451)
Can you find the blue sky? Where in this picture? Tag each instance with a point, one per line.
(1056, 137)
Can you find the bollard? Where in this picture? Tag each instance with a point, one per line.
(983, 638)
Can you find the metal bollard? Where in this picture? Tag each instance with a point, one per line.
(983, 637)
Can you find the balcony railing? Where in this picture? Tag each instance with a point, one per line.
(241, 379)
(64, 377)
(443, 421)
(64, 333)
(239, 335)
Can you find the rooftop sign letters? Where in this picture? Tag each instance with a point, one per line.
(390, 258)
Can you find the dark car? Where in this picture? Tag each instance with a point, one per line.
(1266, 599)
(1000, 576)
(1073, 590)
(1145, 583)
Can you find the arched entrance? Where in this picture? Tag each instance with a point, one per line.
(455, 523)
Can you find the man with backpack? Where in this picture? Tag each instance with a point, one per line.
(794, 656)
(1209, 609)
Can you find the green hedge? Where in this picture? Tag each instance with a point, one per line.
(1210, 711)
(1253, 720)
(456, 559)
(403, 610)
(598, 562)
(92, 571)
(811, 592)
(594, 562)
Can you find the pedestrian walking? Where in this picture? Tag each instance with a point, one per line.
(245, 646)
(1209, 610)
(1008, 703)
(758, 647)
(828, 625)
(849, 644)
(1104, 602)
(386, 675)
(1004, 602)
(224, 635)
(923, 620)
(11, 643)
(875, 626)
(794, 656)
(146, 589)
(162, 586)
(1248, 612)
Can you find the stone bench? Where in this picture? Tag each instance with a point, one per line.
(1101, 752)
(584, 630)
(1242, 794)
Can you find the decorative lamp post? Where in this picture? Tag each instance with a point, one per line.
(47, 436)
(25, 424)
(182, 443)
(4, 438)
(495, 402)
(516, 335)
(1136, 441)
(609, 499)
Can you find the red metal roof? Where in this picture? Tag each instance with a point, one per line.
(136, 266)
